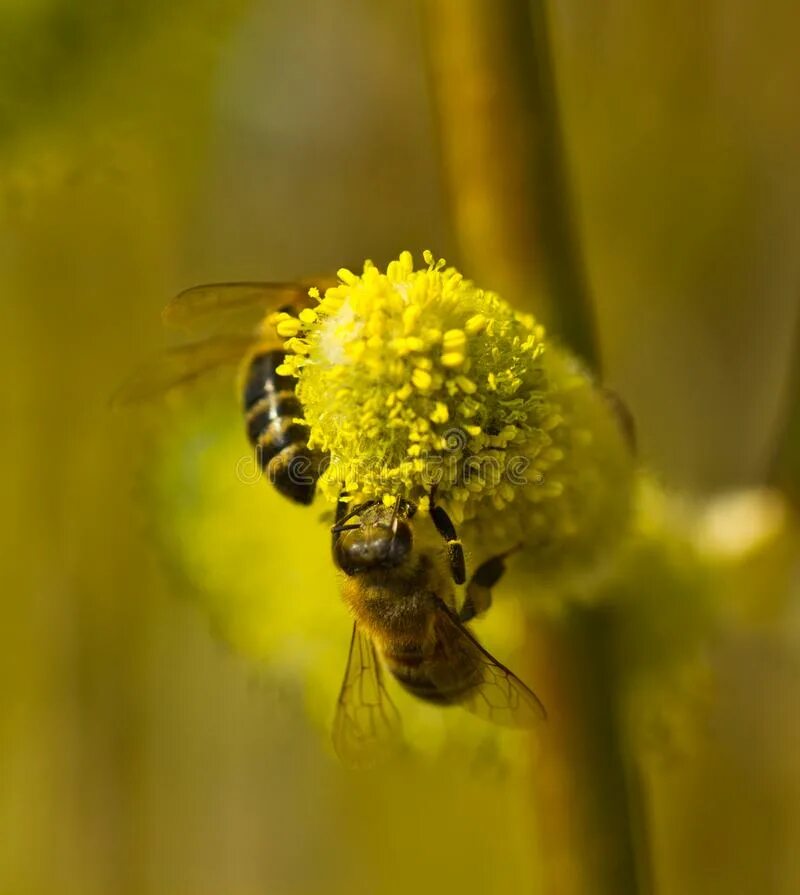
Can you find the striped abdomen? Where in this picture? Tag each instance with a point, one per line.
(435, 678)
(281, 445)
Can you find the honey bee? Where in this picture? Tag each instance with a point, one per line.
(403, 600)
(238, 315)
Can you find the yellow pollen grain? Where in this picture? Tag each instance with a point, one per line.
(454, 340)
(466, 385)
(297, 346)
(307, 315)
(287, 327)
(452, 359)
(440, 413)
(475, 324)
(422, 379)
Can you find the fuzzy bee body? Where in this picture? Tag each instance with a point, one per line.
(403, 601)
(400, 613)
(236, 320)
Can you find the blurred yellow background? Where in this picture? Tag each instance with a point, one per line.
(145, 149)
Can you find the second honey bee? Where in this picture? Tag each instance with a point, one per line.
(237, 314)
(403, 600)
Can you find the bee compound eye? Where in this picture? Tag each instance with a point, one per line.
(400, 543)
(347, 552)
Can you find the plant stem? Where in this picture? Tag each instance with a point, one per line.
(502, 157)
(587, 843)
(493, 87)
(784, 471)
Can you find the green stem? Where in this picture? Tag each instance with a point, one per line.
(784, 471)
(492, 82)
(587, 840)
(503, 162)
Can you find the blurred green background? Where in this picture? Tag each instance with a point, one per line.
(147, 147)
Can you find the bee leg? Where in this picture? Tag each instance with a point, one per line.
(341, 505)
(455, 551)
(479, 589)
(342, 517)
(623, 416)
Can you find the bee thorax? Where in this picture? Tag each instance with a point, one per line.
(386, 613)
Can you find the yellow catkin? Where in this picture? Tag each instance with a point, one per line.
(407, 372)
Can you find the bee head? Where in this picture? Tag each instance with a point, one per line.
(382, 540)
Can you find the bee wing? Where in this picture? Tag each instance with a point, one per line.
(367, 728)
(181, 365)
(496, 694)
(232, 307)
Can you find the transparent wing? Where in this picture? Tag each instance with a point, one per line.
(233, 307)
(182, 365)
(494, 692)
(367, 728)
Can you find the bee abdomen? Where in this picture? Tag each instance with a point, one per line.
(281, 443)
(271, 409)
(262, 379)
(294, 472)
(413, 674)
(277, 435)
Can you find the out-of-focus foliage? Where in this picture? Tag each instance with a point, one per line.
(55, 53)
(147, 148)
(684, 155)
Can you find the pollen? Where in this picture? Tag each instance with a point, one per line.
(466, 385)
(308, 315)
(454, 340)
(475, 325)
(453, 359)
(440, 413)
(422, 379)
(410, 378)
(287, 326)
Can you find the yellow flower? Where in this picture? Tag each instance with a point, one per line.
(410, 378)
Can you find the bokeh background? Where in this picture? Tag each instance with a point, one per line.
(150, 745)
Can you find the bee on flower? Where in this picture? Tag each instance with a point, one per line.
(415, 395)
